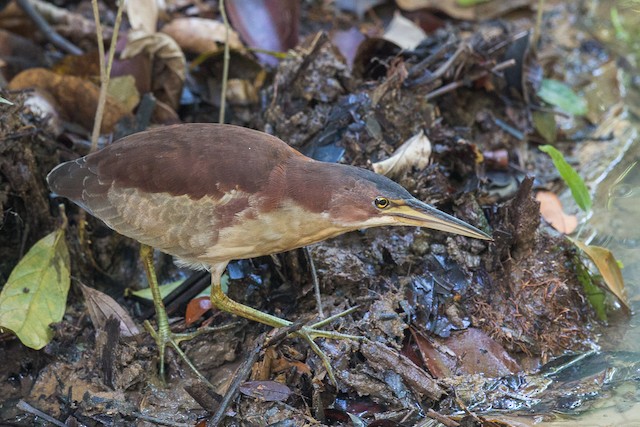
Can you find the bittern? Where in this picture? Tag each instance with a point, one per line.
(209, 194)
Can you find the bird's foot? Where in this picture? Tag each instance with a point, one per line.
(309, 333)
(165, 338)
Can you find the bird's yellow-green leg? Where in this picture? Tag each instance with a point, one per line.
(220, 300)
(163, 336)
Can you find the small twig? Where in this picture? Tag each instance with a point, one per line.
(46, 29)
(156, 420)
(314, 278)
(245, 369)
(538, 27)
(442, 419)
(459, 83)
(24, 406)
(105, 71)
(225, 64)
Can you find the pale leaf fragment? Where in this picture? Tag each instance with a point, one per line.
(552, 212)
(143, 15)
(36, 293)
(404, 32)
(415, 152)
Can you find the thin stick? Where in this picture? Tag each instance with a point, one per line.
(538, 27)
(105, 71)
(46, 29)
(314, 278)
(225, 65)
(24, 406)
(455, 85)
(245, 369)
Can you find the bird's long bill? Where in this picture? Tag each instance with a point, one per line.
(419, 214)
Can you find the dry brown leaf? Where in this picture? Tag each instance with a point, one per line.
(76, 97)
(415, 152)
(101, 307)
(169, 65)
(199, 35)
(608, 267)
(551, 210)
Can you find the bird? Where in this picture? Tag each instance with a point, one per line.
(212, 193)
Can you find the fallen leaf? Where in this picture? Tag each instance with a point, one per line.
(143, 15)
(165, 289)
(415, 152)
(551, 210)
(268, 25)
(124, 90)
(65, 90)
(608, 267)
(101, 307)
(36, 293)
(268, 391)
(562, 96)
(196, 308)
(478, 12)
(169, 64)
(404, 32)
(200, 35)
(576, 184)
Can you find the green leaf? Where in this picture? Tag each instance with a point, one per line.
(5, 101)
(165, 289)
(36, 293)
(562, 96)
(570, 176)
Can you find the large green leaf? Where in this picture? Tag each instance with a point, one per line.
(578, 188)
(562, 96)
(36, 293)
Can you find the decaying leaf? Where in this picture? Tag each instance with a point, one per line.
(36, 293)
(101, 307)
(545, 124)
(169, 65)
(268, 391)
(65, 90)
(414, 152)
(200, 35)
(562, 96)
(124, 89)
(478, 12)
(608, 267)
(143, 15)
(551, 210)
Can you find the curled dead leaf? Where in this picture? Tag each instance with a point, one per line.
(609, 269)
(101, 307)
(169, 65)
(415, 152)
(200, 35)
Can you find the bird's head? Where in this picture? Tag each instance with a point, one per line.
(362, 199)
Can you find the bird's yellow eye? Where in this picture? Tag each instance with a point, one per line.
(381, 202)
